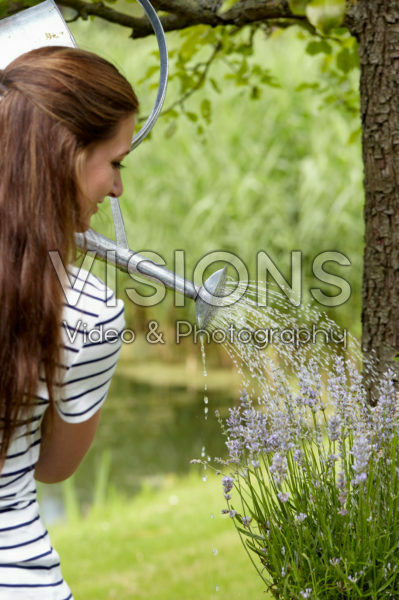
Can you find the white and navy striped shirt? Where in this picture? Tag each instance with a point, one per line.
(92, 322)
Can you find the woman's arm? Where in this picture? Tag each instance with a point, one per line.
(63, 446)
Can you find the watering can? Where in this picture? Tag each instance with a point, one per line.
(44, 25)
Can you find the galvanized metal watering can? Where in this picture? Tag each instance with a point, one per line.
(44, 25)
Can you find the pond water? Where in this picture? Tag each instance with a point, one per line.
(146, 433)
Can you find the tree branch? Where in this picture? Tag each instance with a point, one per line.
(249, 11)
(186, 13)
(181, 14)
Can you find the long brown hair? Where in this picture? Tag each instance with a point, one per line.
(56, 102)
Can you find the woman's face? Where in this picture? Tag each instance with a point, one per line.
(100, 174)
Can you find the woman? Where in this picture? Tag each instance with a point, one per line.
(66, 122)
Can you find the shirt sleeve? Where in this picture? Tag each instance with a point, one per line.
(85, 384)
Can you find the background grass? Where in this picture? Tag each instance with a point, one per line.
(168, 544)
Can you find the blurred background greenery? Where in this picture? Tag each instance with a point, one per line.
(277, 169)
(278, 172)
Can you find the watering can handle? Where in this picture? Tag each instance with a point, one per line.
(120, 232)
(163, 76)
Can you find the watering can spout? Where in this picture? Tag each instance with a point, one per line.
(207, 297)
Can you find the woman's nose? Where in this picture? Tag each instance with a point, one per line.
(117, 187)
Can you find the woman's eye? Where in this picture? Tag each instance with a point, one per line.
(117, 165)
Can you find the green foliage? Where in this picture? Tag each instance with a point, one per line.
(318, 47)
(275, 174)
(339, 60)
(298, 7)
(198, 56)
(326, 15)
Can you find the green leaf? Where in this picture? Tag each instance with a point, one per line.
(206, 110)
(215, 85)
(320, 47)
(346, 60)
(227, 4)
(298, 7)
(307, 86)
(171, 129)
(191, 116)
(325, 15)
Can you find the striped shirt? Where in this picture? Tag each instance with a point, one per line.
(92, 322)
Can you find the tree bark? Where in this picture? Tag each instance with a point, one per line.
(377, 28)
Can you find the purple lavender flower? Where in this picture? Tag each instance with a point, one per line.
(283, 497)
(246, 521)
(233, 421)
(278, 468)
(306, 593)
(361, 450)
(334, 428)
(228, 483)
(235, 448)
(310, 385)
(298, 456)
(301, 517)
(338, 389)
(332, 459)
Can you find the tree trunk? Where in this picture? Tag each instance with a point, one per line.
(377, 29)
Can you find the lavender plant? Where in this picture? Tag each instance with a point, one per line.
(312, 486)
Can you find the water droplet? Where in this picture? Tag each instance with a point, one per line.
(206, 400)
(215, 552)
(203, 356)
(217, 588)
(204, 478)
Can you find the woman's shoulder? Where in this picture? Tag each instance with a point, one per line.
(92, 333)
(89, 300)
